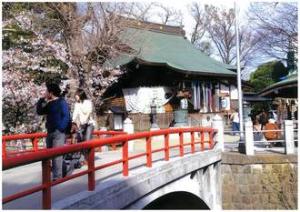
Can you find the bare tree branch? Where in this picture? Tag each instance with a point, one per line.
(277, 24)
(216, 25)
(169, 16)
(200, 19)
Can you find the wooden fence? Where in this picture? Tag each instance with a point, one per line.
(141, 121)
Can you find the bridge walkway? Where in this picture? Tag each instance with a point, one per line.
(20, 178)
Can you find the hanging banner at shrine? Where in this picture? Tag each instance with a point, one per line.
(224, 89)
(233, 92)
(139, 100)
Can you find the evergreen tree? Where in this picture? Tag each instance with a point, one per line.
(267, 74)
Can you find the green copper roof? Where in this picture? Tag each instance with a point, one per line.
(291, 80)
(171, 50)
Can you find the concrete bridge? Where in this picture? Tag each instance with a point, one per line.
(189, 182)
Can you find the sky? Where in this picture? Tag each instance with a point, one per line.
(188, 21)
(183, 6)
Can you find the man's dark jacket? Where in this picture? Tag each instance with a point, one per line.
(57, 111)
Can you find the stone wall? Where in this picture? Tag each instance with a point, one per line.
(266, 181)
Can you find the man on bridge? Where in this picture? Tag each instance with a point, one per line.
(58, 118)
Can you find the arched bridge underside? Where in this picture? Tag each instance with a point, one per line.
(177, 200)
(190, 182)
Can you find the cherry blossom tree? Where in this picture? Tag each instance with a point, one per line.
(28, 60)
(57, 41)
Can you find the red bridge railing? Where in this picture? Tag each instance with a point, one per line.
(9, 150)
(45, 155)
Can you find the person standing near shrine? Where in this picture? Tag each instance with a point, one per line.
(235, 121)
(263, 119)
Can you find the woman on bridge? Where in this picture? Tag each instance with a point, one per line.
(82, 116)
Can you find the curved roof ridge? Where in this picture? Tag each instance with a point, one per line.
(173, 50)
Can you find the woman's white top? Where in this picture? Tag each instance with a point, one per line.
(235, 117)
(83, 113)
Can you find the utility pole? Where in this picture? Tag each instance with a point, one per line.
(240, 93)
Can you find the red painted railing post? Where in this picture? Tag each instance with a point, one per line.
(202, 140)
(167, 146)
(91, 169)
(149, 152)
(46, 178)
(125, 158)
(193, 142)
(35, 143)
(3, 149)
(181, 144)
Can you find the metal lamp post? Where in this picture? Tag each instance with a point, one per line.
(242, 145)
(240, 93)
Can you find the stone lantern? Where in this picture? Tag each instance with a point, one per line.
(153, 115)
